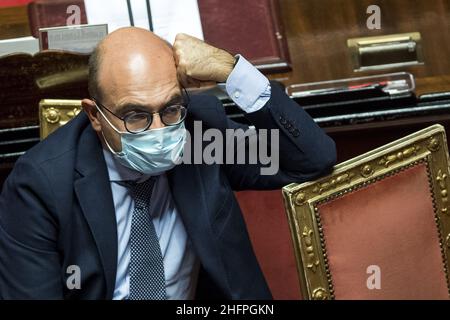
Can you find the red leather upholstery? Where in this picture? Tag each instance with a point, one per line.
(389, 224)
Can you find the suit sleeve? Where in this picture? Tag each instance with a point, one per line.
(304, 150)
(29, 260)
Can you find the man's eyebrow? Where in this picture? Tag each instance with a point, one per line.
(176, 98)
(127, 107)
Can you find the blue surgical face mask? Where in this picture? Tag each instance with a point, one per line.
(150, 152)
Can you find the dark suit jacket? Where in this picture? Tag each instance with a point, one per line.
(56, 207)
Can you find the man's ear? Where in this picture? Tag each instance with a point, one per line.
(93, 114)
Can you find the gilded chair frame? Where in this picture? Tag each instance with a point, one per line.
(302, 200)
(54, 113)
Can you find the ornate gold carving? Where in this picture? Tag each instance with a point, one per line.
(52, 115)
(343, 179)
(367, 171)
(401, 155)
(73, 113)
(320, 294)
(312, 263)
(441, 179)
(433, 144)
(300, 198)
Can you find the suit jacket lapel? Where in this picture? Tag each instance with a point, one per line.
(186, 190)
(190, 197)
(95, 197)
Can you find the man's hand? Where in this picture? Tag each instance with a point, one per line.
(199, 62)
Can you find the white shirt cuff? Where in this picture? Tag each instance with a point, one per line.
(247, 86)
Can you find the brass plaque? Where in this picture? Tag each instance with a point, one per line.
(385, 52)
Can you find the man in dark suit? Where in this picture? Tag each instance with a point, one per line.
(101, 210)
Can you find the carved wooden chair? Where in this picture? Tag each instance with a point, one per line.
(378, 227)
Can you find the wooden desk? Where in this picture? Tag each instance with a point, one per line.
(317, 33)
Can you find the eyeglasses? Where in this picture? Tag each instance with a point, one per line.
(140, 121)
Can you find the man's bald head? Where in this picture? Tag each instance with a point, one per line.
(131, 71)
(128, 49)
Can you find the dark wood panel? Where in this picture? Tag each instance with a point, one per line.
(317, 33)
(26, 79)
(14, 22)
(352, 141)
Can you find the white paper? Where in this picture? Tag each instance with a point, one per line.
(168, 17)
(25, 45)
(81, 39)
(175, 16)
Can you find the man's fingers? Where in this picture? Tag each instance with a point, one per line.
(180, 36)
(194, 82)
(182, 73)
(188, 52)
(186, 81)
(182, 77)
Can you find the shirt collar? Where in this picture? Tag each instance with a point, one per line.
(118, 172)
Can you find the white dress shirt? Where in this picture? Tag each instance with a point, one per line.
(250, 90)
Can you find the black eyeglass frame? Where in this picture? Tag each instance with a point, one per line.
(184, 105)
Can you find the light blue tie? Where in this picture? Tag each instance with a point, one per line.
(147, 280)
